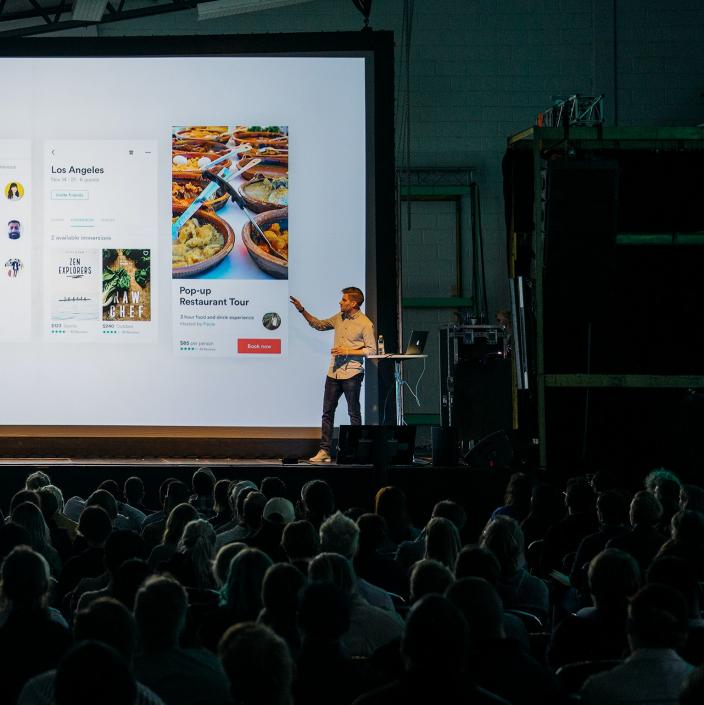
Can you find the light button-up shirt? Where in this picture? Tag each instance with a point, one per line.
(351, 331)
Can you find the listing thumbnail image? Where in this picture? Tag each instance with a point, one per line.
(126, 285)
(229, 195)
(74, 285)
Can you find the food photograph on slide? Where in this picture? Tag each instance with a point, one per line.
(229, 195)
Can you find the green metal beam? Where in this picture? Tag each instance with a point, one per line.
(625, 136)
(434, 191)
(681, 239)
(624, 381)
(422, 419)
(437, 302)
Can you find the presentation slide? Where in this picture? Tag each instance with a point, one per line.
(150, 253)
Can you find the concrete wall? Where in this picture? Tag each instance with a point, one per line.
(481, 70)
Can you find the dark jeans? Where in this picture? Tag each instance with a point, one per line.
(334, 389)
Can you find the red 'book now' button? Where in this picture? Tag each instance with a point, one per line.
(259, 346)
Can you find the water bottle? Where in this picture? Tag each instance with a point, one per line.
(380, 346)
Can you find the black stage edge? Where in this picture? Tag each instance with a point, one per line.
(479, 490)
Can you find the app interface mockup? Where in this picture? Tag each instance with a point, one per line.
(157, 214)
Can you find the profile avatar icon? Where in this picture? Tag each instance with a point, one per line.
(14, 230)
(271, 321)
(14, 191)
(13, 267)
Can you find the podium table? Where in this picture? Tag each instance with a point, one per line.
(398, 378)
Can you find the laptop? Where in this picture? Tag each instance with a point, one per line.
(416, 343)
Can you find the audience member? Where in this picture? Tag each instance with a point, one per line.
(94, 528)
(191, 565)
(491, 655)
(390, 503)
(429, 576)
(277, 513)
(477, 562)
(687, 540)
(546, 508)
(370, 563)
(223, 558)
(517, 500)
(442, 542)
(133, 517)
(202, 483)
(35, 480)
(31, 642)
(179, 676)
(317, 502)
(273, 487)
(409, 552)
(612, 514)
(338, 534)
(599, 632)
(370, 627)
(300, 543)
(691, 498)
(681, 575)
(325, 672)
(253, 503)
(120, 546)
(134, 493)
(563, 538)
(105, 620)
(281, 589)
(93, 672)
(222, 510)
(434, 650)
(643, 541)
(153, 529)
(657, 625)
(517, 588)
(175, 524)
(258, 665)
(29, 516)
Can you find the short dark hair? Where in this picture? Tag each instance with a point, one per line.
(354, 294)
(107, 620)
(160, 610)
(300, 540)
(436, 636)
(94, 524)
(203, 481)
(257, 663)
(93, 672)
(133, 489)
(657, 617)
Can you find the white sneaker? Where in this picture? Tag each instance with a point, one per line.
(322, 456)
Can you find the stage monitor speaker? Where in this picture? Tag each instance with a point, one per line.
(376, 445)
(494, 451)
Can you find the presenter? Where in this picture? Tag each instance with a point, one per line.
(354, 340)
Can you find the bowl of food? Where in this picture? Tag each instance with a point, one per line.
(263, 194)
(201, 146)
(270, 252)
(218, 133)
(188, 165)
(270, 168)
(183, 193)
(201, 243)
(258, 135)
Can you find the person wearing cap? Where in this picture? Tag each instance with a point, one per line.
(278, 512)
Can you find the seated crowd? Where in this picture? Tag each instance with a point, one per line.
(237, 594)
